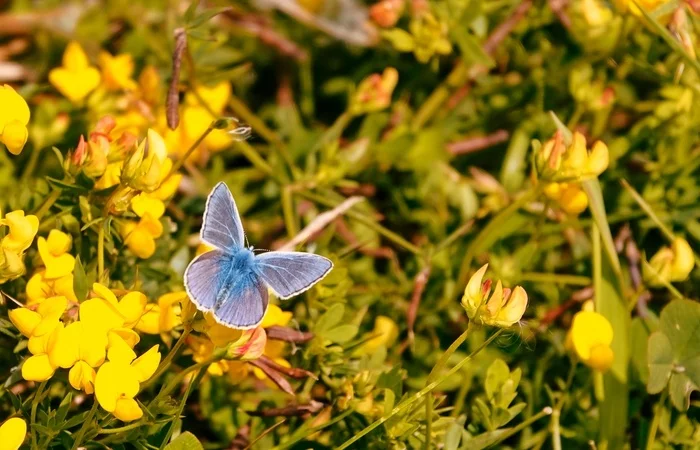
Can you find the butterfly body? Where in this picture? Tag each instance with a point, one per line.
(231, 281)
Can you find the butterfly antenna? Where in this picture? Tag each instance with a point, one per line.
(3, 294)
(262, 250)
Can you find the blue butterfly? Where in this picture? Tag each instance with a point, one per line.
(231, 281)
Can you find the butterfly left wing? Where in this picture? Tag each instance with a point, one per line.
(242, 302)
(205, 276)
(291, 273)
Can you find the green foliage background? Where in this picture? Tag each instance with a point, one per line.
(433, 214)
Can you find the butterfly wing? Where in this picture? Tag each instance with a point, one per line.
(222, 226)
(243, 302)
(291, 273)
(205, 276)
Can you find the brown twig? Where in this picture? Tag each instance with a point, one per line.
(290, 410)
(553, 314)
(320, 222)
(287, 334)
(242, 439)
(294, 372)
(477, 143)
(172, 102)
(419, 284)
(558, 7)
(261, 28)
(275, 376)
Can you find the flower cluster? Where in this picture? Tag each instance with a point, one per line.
(103, 331)
(670, 264)
(426, 38)
(563, 167)
(22, 229)
(501, 308)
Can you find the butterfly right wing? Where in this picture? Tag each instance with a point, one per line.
(222, 226)
(205, 276)
(243, 302)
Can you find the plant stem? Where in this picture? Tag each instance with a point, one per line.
(489, 229)
(556, 413)
(419, 395)
(576, 280)
(646, 207)
(437, 368)
(256, 160)
(181, 408)
(179, 377)
(35, 404)
(48, 203)
(189, 152)
(101, 250)
(131, 426)
(651, 437)
(165, 363)
(525, 423)
(86, 424)
(314, 430)
(31, 164)
(395, 238)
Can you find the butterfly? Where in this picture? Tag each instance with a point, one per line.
(231, 281)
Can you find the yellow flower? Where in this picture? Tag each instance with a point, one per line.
(148, 166)
(502, 308)
(569, 196)
(150, 85)
(110, 177)
(557, 162)
(117, 71)
(12, 433)
(118, 381)
(202, 350)
(427, 38)
(55, 256)
(39, 288)
(41, 327)
(590, 337)
(220, 335)
(647, 5)
(141, 236)
(76, 78)
(22, 231)
(14, 117)
(164, 316)
(384, 334)
(79, 347)
(670, 264)
(274, 316)
(11, 265)
(374, 92)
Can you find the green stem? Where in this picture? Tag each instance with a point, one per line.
(525, 423)
(181, 408)
(165, 363)
(256, 160)
(648, 210)
(48, 203)
(655, 421)
(576, 280)
(437, 368)
(31, 164)
(35, 404)
(179, 377)
(86, 424)
(395, 238)
(131, 426)
(178, 164)
(314, 430)
(456, 234)
(101, 250)
(491, 227)
(419, 395)
(556, 412)
(288, 212)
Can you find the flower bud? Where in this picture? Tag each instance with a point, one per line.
(670, 264)
(14, 136)
(374, 92)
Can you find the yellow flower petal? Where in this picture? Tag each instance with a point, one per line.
(145, 203)
(145, 365)
(25, 320)
(100, 313)
(82, 377)
(149, 322)
(22, 230)
(119, 351)
(275, 316)
(12, 433)
(56, 266)
(127, 335)
(37, 368)
(14, 136)
(58, 242)
(131, 307)
(104, 292)
(76, 78)
(590, 329)
(127, 410)
(117, 71)
(65, 350)
(107, 383)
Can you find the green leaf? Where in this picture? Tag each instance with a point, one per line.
(680, 387)
(191, 10)
(80, 283)
(496, 376)
(660, 356)
(185, 441)
(330, 318)
(341, 334)
(597, 208)
(453, 435)
(400, 39)
(486, 439)
(680, 322)
(205, 16)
